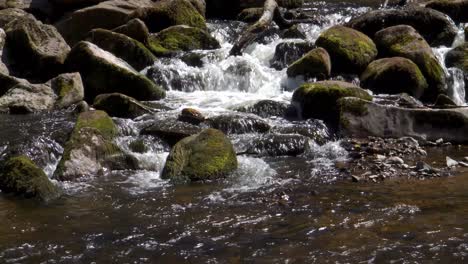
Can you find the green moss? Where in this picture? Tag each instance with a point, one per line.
(138, 146)
(315, 63)
(21, 176)
(98, 120)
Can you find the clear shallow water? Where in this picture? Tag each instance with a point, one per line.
(271, 210)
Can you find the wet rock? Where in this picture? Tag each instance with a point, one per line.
(181, 38)
(433, 25)
(167, 13)
(404, 41)
(81, 107)
(69, 89)
(458, 57)
(289, 52)
(205, 156)
(120, 105)
(350, 50)
(138, 146)
(76, 25)
(314, 129)
(21, 176)
(102, 72)
(456, 9)
(293, 33)
(360, 118)
(422, 166)
(171, 130)
(265, 108)
(393, 76)
(131, 51)
(443, 101)
(90, 149)
(278, 145)
(250, 15)
(191, 116)
(315, 64)
(451, 162)
(238, 123)
(25, 98)
(319, 100)
(9, 15)
(401, 100)
(135, 29)
(34, 50)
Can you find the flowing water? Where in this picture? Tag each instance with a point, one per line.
(271, 210)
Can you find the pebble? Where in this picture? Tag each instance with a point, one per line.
(395, 160)
(451, 162)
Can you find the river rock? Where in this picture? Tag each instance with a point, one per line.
(135, 29)
(102, 72)
(90, 150)
(191, 116)
(229, 9)
(106, 15)
(443, 101)
(250, 15)
(435, 26)
(119, 105)
(181, 38)
(458, 57)
(3, 68)
(456, 9)
(171, 130)
(239, 123)
(360, 118)
(319, 100)
(34, 50)
(289, 52)
(293, 33)
(205, 156)
(350, 50)
(21, 176)
(265, 108)
(40, 8)
(278, 145)
(168, 13)
(68, 88)
(126, 48)
(27, 98)
(405, 41)
(10, 14)
(315, 64)
(314, 129)
(393, 76)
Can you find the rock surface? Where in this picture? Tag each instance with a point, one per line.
(456, 9)
(119, 105)
(315, 64)
(289, 52)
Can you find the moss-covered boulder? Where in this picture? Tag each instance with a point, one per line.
(167, 13)
(10, 14)
(181, 38)
(68, 88)
(360, 118)
(21, 176)
(405, 41)
(204, 156)
(90, 150)
(135, 29)
(456, 9)
(289, 52)
(315, 64)
(34, 50)
(319, 100)
(120, 105)
(102, 72)
(393, 76)
(126, 48)
(435, 26)
(350, 50)
(107, 15)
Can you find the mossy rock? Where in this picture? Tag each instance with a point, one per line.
(319, 100)
(135, 29)
(405, 41)
(393, 76)
(122, 46)
(315, 64)
(205, 156)
(455, 9)
(350, 50)
(69, 89)
(10, 14)
(120, 105)
(102, 72)
(167, 13)
(458, 57)
(21, 176)
(181, 38)
(89, 148)
(34, 50)
(289, 52)
(138, 146)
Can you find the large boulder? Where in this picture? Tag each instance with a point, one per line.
(90, 150)
(120, 105)
(393, 76)
(204, 156)
(181, 38)
(135, 29)
(40, 8)
(34, 50)
(319, 100)
(167, 13)
(456, 9)
(102, 72)
(10, 14)
(315, 64)
(405, 41)
(361, 118)
(21, 176)
(68, 88)
(126, 48)
(107, 15)
(458, 57)
(435, 26)
(289, 52)
(350, 50)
